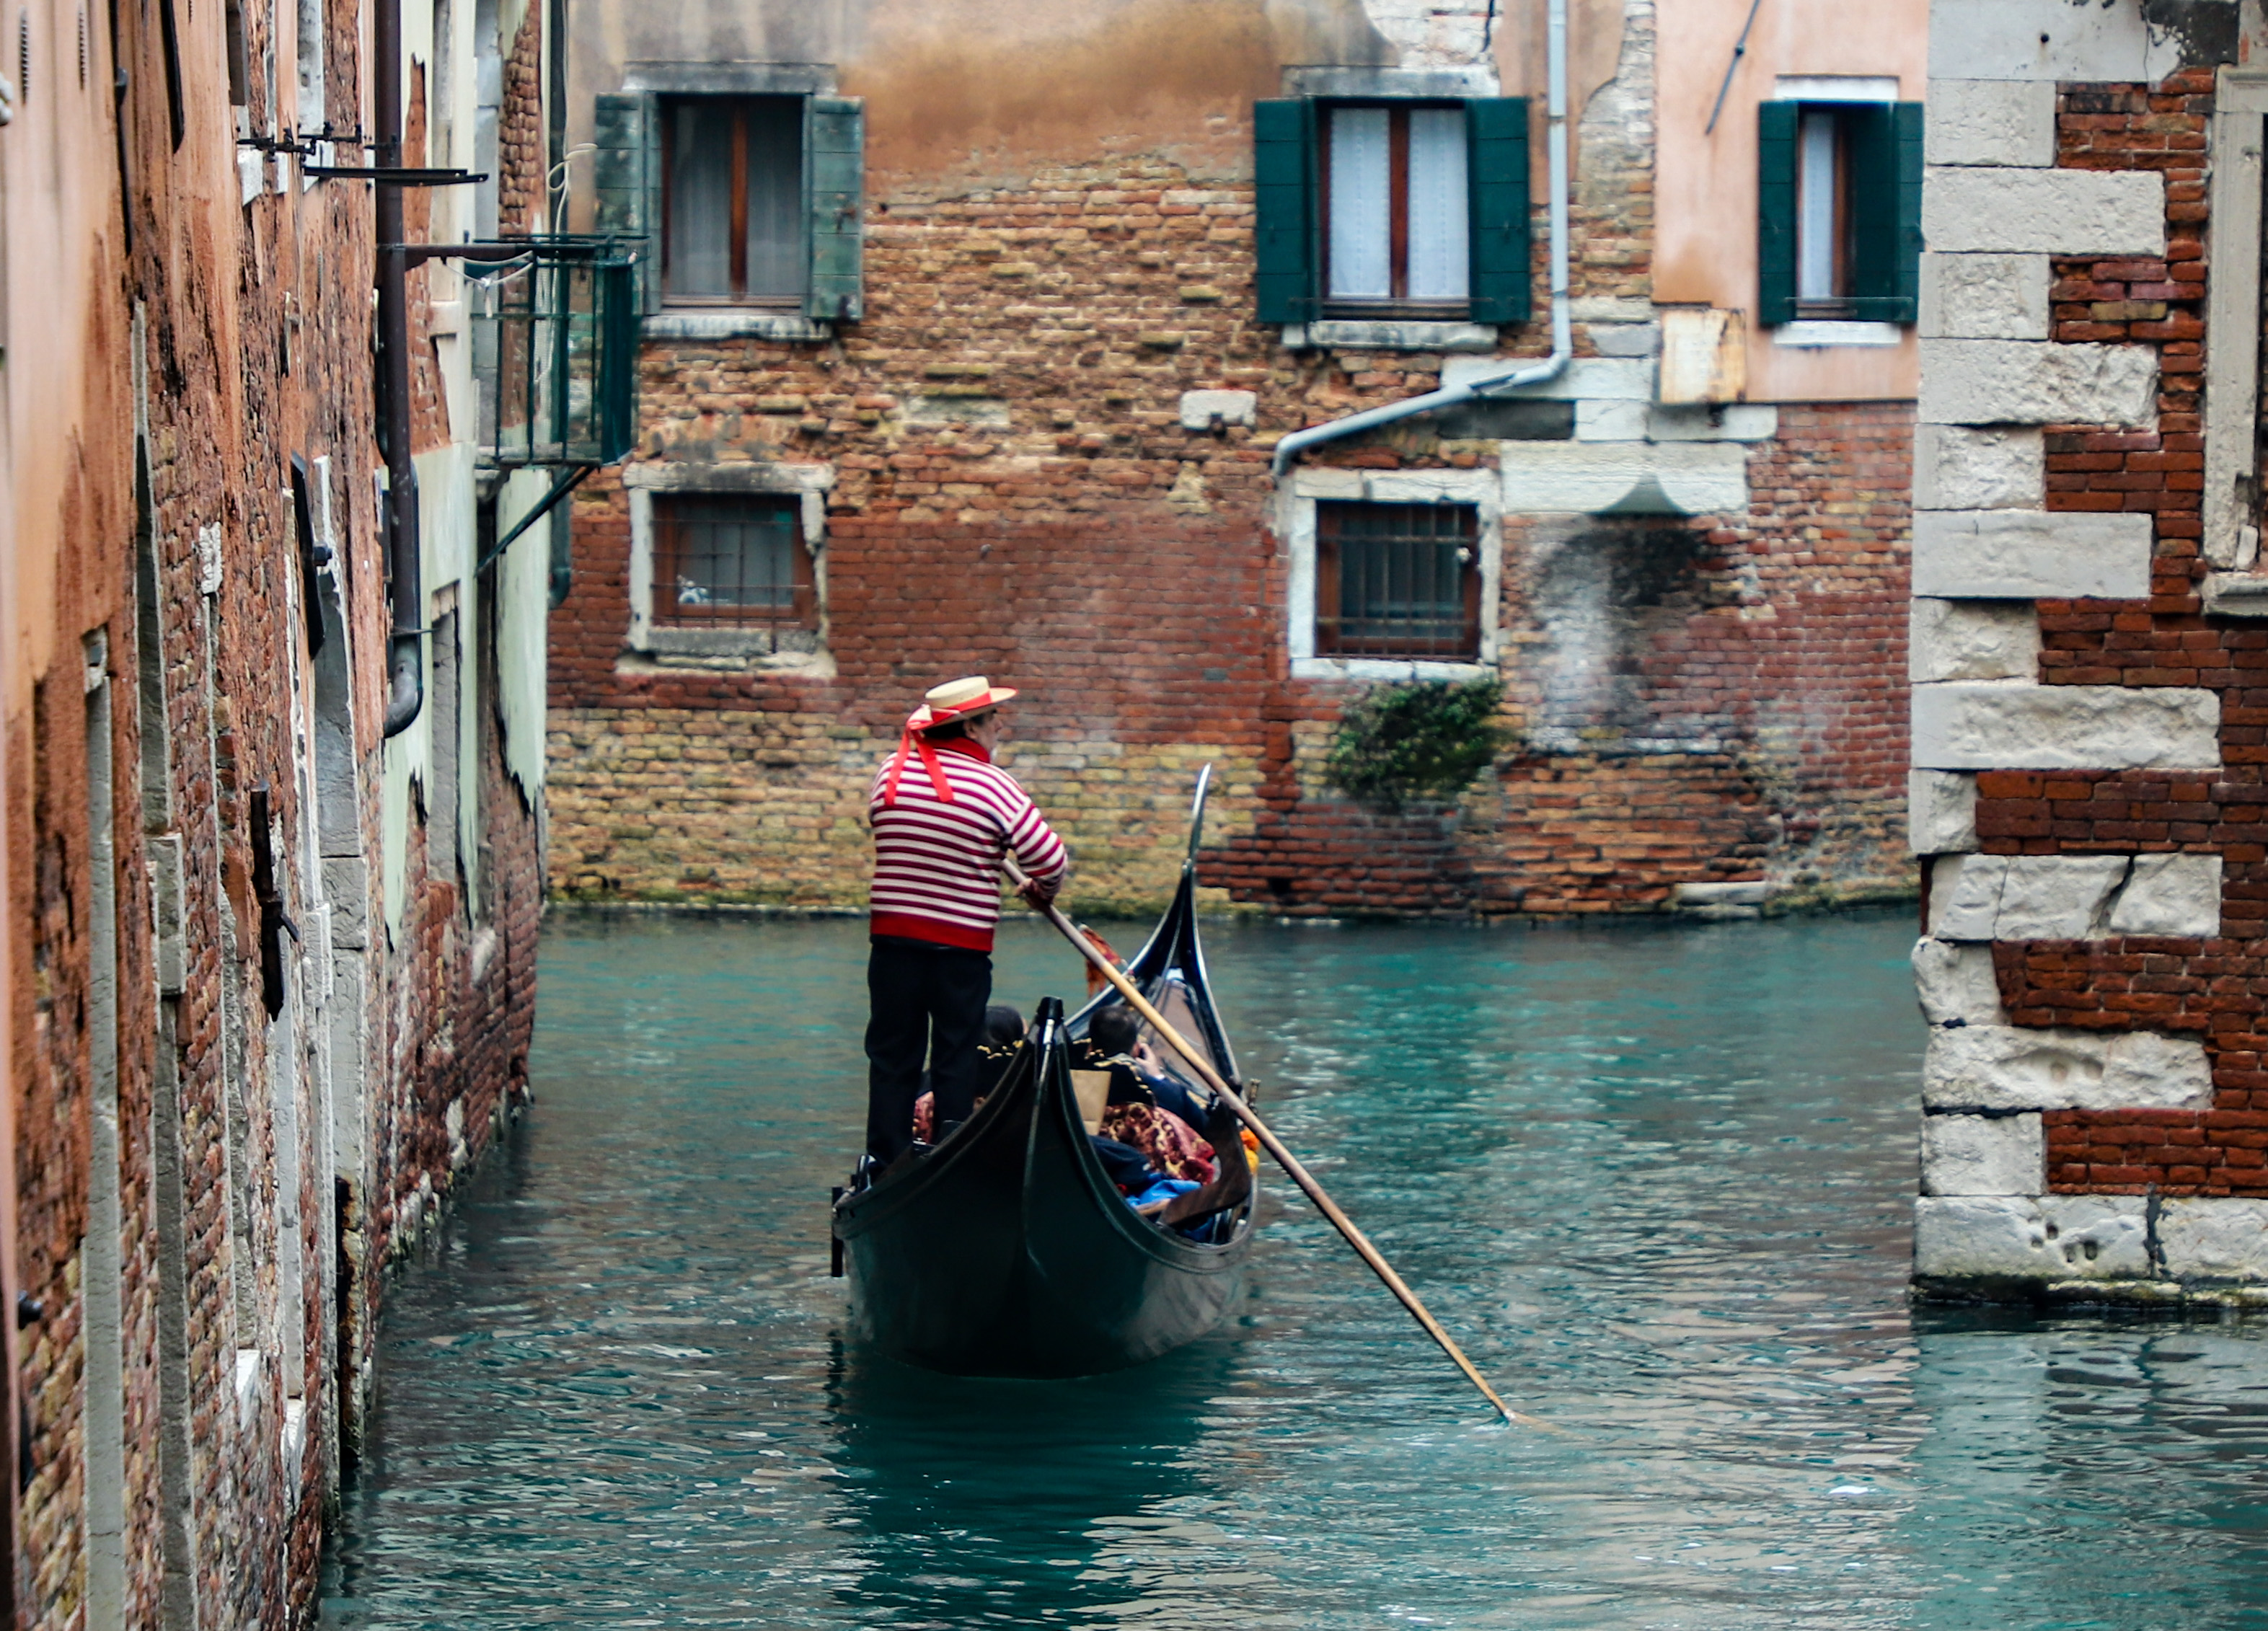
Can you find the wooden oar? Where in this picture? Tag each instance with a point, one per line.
(1269, 1141)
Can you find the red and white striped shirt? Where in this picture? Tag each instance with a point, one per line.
(937, 864)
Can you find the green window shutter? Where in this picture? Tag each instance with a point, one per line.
(1775, 213)
(834, 149)
(1886, 211)
(626, 177)
(1911, 123)
(1881, 266)
(1283, 205)
(1496, 182)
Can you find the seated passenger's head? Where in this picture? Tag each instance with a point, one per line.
(1003, 1027)
(1113, 1031)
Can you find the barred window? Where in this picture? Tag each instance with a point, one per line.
(1397, 580)
(731, 564)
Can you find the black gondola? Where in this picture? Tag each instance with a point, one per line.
(1007, 1251)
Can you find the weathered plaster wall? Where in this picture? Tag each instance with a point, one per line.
(64, 445)
(1707, 183)
(975, 91)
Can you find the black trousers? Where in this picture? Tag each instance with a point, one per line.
(928, 1007)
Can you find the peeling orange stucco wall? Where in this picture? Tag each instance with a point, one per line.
(1703, 181)
(983, 93)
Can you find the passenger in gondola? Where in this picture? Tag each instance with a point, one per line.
(943, 814)
(1113, 1043)
(1146, 1110)
(1003, 1034)
(1162, 1139)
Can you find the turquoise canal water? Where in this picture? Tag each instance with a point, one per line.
(1658, 1180)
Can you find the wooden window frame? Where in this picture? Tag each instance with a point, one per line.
(668, 516)
(1329, 642)
(738, 298)
(1398, 304)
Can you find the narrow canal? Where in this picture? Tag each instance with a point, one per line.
(1658, 1180)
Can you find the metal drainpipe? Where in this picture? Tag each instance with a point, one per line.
(1515, 375)
(406, 657)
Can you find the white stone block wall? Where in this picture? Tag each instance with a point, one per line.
(1997, 209)
(1973, 1068)
(1592, 477)
(1982, 1239)
(2028, 554)
(1984, 296)
(2006, 210)
(1982, 1154)
(1995, 123)
(1941, 812)
(2074, 897)
(1980, 380)
(1970, 640)
(1961, 726)
(2215, 1239)
(1986, 467)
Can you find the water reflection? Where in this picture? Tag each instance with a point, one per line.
(1658, 1181)
(2094, 1471)
(952, 1531)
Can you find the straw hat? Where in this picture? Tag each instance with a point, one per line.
(958, 699)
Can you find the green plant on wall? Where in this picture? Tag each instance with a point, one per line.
(1427, 740)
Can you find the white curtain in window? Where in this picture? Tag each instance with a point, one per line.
(1815, 211)
(700, 202)
(776, 253)
(1362, 203)
(1440, 262)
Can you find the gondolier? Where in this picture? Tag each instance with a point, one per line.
(943, 815)
(1013, 1253)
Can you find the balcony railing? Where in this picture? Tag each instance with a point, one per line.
(554, 349)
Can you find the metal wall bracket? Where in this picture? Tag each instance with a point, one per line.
(390, 175)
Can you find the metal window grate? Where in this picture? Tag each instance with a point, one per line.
(555, 339)
(732, 563)
(1396, 580)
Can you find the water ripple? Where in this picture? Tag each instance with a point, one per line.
(1657, 1180)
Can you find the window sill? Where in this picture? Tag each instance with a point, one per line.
(1812, 333)
(784, 664)
(1387, 668)
(733, 644)
(799, 665)
(1389, 334)
(737, 325)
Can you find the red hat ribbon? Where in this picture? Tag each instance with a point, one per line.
(911, 741)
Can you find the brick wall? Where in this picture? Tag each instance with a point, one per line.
(246, 1291)
(1012, 493)
(520, 202)
(2205, 989)
(1738, 728)
(2094, 966)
